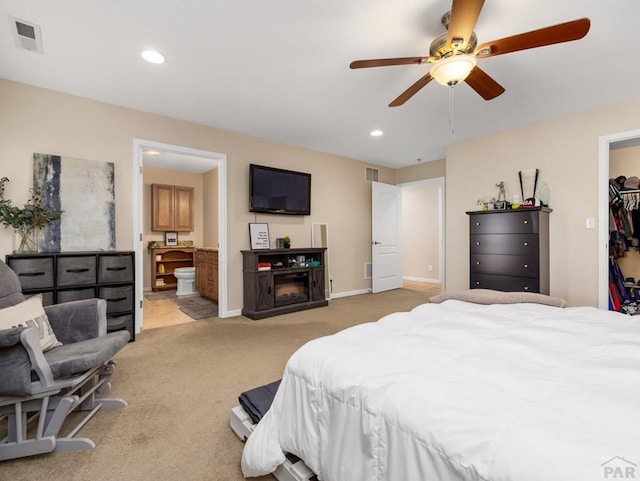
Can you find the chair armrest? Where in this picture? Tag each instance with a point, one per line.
(10, 337)
(78, 320)
(20, 352)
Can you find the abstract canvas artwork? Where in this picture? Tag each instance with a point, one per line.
(84, 190)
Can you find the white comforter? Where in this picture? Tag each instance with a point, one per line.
(459, 391)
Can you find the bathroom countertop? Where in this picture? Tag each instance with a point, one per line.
(210, 249)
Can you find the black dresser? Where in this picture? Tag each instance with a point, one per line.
(509, 250)
(70, 276)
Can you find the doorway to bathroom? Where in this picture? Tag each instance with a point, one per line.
(204, 174)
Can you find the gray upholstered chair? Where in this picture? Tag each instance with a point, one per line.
(38, 390)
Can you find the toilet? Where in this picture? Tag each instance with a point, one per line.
(186, 277)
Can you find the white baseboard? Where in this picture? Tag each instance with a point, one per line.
(336, 295)
(234, 313)
(420, 279)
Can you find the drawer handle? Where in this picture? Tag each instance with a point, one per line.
(526, 221)
(116, 268)
(477, 243)
(477, 263)
(117, 299)
(526, 243)
(477, 223)
(75, 271)
(526, 288)
(477, 283)
(30, 274)
(526, 266)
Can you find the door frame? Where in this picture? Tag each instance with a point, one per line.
(139, 145)
(441, 183)
(604, 146)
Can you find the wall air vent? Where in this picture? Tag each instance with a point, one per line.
(26, 34)
(368, 270)
(371, 174)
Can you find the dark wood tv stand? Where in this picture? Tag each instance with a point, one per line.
(283, 286)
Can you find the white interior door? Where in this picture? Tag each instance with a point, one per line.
(386, 242)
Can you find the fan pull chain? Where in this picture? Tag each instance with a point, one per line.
(451, 109)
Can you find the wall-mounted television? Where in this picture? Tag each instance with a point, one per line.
(279, 191)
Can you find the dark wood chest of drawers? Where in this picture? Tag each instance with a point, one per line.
(509, 250)
(70, 276)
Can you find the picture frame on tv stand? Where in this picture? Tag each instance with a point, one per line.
(259, 235)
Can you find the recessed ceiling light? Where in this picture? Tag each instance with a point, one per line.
(152, 56)
(151, 152)
(376, 133)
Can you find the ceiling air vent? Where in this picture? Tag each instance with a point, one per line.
(371, 174)
(26, 34)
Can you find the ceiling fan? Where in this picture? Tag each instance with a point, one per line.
(454, 54)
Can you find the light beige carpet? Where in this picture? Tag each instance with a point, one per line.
(181, 382)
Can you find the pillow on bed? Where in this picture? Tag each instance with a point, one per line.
(30, 313)
(488, 296)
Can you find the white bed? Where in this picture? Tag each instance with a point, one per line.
(461, 391)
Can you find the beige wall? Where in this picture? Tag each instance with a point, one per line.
(420, 231)
(566, 152)
(425, 170)
(154, 175)
(625, 162)
(38, 120)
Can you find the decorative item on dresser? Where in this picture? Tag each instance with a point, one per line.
(509, 249)
(164, 260)
(70, 276)
(207, 273)
(275, 283)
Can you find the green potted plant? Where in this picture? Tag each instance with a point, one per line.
(27, 220)
(286, 242)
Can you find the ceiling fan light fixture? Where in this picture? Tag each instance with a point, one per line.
(453, 69)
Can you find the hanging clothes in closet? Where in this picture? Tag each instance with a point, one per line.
(624, 235)
(632, 206)
(620, 227)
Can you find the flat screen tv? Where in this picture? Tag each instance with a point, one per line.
(279, 191)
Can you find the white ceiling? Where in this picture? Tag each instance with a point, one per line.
(279, 69)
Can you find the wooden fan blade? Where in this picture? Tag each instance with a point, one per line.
(411, 91)
(385, 62)
(464, 15)
(563, 32)
(482, 83)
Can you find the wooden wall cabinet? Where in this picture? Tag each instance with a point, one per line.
(207, 273)
(164, 260)
(274, 285)
(509, 250)
(171, 208)
(71, 276)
